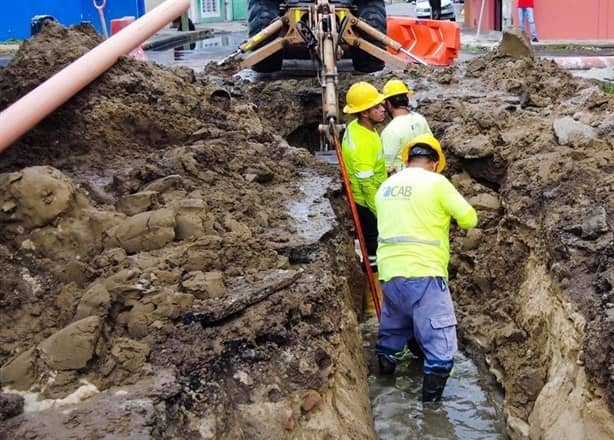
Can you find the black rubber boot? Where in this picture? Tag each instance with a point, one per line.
(432, 387)
(386, 367)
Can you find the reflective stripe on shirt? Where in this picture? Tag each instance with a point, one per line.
(365, 174)
(348, 139)
(408, 240)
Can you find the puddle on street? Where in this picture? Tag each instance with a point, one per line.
(471, 408)
(198, 53)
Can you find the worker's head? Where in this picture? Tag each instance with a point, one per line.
(424, 151)
(396, 94)
(364, 100)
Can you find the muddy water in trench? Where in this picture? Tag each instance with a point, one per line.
(471, 408)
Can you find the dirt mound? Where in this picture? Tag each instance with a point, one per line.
(194, 274)
(134, 106)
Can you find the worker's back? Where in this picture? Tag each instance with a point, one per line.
(414, 208)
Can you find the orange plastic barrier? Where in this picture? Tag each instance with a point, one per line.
(435, 41)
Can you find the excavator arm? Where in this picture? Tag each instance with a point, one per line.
(326, 31)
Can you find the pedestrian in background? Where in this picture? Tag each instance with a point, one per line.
(414, 209)
(525, 11)
(435, 9)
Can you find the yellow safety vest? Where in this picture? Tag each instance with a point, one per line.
(363, 158)
(414, 209)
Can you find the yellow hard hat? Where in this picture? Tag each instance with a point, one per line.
(429, 140)
(396, 87)
(361, 96)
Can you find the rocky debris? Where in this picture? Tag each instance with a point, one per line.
(485, 201)
(136, 203)
(477, 147)
(95, 302)
(11, 405)
(312, 400)
(205, 285)
(19, 373)
(171, 209)
(72, 347)
(573, 133)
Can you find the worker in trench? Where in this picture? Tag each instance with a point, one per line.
(363, 159)
(405, 124)
(414, 210)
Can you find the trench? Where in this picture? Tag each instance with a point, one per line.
(472, 407)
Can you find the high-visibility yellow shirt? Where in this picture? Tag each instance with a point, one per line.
(398, 133)
(363, 158)
(414, 209)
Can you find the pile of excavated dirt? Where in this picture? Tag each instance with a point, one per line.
(165, 268)
(173, 265)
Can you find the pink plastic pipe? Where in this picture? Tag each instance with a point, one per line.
(47, 97)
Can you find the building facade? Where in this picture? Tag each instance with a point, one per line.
(16, 16)
(211, 11)
(555, 19)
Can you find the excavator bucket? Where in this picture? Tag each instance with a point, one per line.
(437, 42)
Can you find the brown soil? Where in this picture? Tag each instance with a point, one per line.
(167, 250)
(156, 223)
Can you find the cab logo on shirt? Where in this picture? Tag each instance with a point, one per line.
(398, 191)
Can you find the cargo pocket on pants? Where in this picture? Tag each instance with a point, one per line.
(444, 327)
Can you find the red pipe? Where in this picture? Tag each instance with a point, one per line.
(361, 237)
(47, 97)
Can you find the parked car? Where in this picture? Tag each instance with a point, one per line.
(423, 10)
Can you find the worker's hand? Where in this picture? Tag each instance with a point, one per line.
(391, 171)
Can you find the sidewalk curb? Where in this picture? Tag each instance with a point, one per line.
(583, 63)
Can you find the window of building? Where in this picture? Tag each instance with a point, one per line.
(210, 8)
